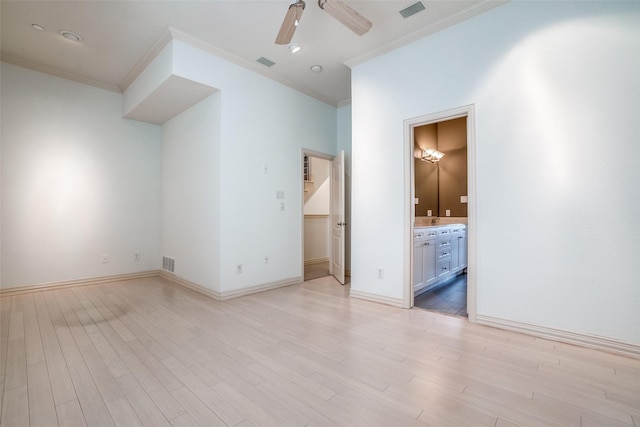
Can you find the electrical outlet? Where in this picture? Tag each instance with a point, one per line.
(136, 256)
(447, 212)
(105, 259)
(281, 206)
(380, 273)
(266, 259)
(239, 269)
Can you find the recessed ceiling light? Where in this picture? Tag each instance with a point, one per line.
(37, 27)
(295, 48)
(316, 68)
(70, 35)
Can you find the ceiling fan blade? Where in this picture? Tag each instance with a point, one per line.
(290, 22)
(347, 16)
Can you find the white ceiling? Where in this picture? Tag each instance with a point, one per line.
(117, 34)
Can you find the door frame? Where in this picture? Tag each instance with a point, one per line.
(325, 156)
(467, 111)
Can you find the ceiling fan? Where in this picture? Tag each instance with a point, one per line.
(337, 9)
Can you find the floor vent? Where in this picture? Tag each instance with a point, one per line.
(168, 264)
(412, 10)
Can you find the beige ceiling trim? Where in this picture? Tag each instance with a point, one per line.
(438, 26)
(58, 73)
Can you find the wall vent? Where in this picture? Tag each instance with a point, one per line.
(168, 264)
(265, 61)
(412, 10)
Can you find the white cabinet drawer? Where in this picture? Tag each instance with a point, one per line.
(424, 234)
(443, 267)
(444, 253)
(444, 243)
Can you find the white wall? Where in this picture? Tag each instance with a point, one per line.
(264, 126)
(555, 87)
(78, 182)
(191, 192)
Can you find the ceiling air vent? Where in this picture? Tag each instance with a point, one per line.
(265, 61)
(412, 10)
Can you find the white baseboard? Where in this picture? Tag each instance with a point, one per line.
(584, 340)
(193, 286)
(78, 282)
(313, 261)
(396, 302)
(219, 296)
(227, 295)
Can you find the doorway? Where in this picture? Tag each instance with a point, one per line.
(323, 215)
(316, 215)
(468, 281)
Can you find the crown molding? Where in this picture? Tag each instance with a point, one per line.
(25, 63)
(146, 59)
(426, 31)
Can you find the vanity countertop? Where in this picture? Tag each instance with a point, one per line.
(425, 221)
(426, 227)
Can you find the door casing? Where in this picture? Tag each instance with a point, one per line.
(329, 157)
(467, 111)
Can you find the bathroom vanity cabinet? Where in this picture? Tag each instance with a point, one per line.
(439, 253)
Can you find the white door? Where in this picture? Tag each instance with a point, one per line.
(337, 217)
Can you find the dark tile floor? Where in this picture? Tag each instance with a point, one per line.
(448, 298)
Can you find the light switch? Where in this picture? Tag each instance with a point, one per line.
(280, 194)
(463, 199)
(416, 201)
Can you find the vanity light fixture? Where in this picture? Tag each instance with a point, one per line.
(432, 155)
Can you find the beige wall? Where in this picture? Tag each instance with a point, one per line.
(426, 174)
(438, 187)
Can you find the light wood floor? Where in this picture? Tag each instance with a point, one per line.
(147, 352)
